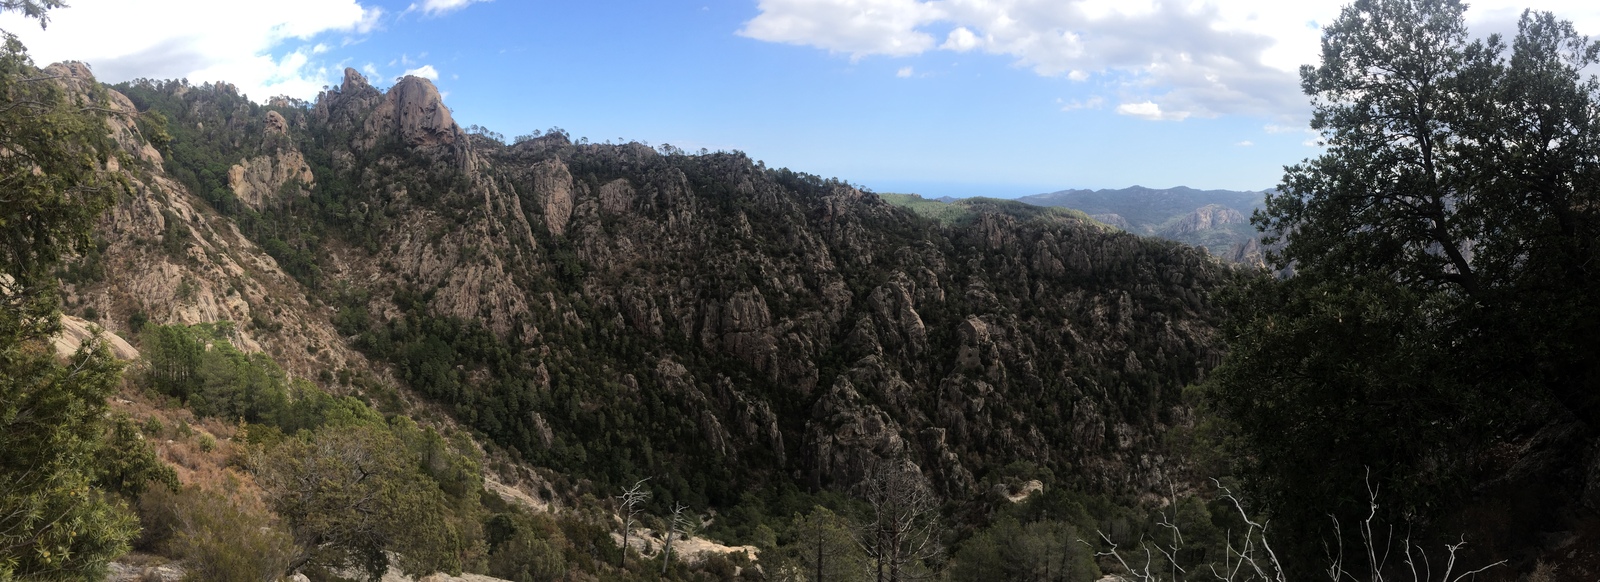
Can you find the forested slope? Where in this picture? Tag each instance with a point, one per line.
(618, 311)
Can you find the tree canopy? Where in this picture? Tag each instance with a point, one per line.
(1442, 252)
(60, 518)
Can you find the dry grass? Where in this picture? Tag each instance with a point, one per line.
(217, 469)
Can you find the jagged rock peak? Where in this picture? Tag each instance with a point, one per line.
(71, 70)
(353, 80)
(414, 108)
(75, 76)
(275, 123)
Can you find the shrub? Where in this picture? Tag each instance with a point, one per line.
(218, 538)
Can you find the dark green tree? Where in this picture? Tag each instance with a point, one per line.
(1443, 256)
(1042, 551)
(56, 522)
(824, 548)
(351, 494)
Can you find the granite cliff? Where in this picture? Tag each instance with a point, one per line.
(611, 311)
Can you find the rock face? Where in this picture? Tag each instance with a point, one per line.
(1249, 252)
(413, 110)
(1210, 216)
(75, 331)
(704, 318)
(170, 258)
(553, 184)
(259, 180)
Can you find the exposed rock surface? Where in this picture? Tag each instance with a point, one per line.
(1206, 217)
(170, 258)
(413, 111)
(1249, 252)
(763, 324)
(257, 181)
(75, 331)
(121, 572)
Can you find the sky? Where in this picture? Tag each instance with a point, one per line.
(955, 98)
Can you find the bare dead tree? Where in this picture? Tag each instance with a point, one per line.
(1378, 557)
(678, 524)
(905, 521)
(628, 508)
(1249, 556)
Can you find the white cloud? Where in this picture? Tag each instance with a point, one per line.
(440, 7)
(424, 71)
(1203, 57)
(903, 73)
(1245, 143)
(960, 40)
(264, 48)
(1151, 111)
(854, 27)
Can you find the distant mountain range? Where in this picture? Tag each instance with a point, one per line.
(1217, 220)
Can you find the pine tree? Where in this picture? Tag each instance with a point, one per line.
(1443, 252)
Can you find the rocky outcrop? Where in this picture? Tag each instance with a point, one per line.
(1205, 218)
(847, 437)
(76, 331)
(413, 110)
(260, 180)
(552, 184)
(616, 196)
(176, 260)
(1249, 252)
(121, 572)
(723, 319)
(121, 115)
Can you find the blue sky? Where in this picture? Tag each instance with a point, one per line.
(937, 97)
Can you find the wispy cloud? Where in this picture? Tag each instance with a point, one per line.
(904, 72)
(424, 71)
(1198, 58)
(854, 27)
(1151, 111)
(1275, 128)
(441, 7)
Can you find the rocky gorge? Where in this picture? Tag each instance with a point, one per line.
(612, 311)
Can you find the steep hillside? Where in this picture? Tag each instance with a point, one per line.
(615, 311)
(164, 256)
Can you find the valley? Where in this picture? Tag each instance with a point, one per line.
(346, 338)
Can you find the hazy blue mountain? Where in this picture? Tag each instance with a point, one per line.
(1218, 220)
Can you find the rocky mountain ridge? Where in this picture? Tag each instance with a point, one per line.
(616, 311)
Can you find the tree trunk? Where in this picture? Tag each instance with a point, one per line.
(818, 577)
(627, 528)
(666, 552)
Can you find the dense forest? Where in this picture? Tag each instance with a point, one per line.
(366, 339)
